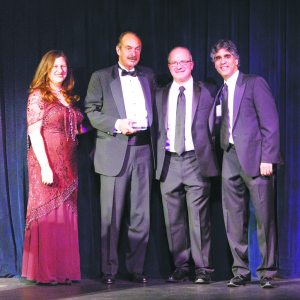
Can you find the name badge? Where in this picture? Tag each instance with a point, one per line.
(219, 110)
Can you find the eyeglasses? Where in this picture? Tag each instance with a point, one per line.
(181, 63)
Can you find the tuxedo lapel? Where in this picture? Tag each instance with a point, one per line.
(238, 95)
(196, 98)
(165, 104)
(147, 94)
(116, 90)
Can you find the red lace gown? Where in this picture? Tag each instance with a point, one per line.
(51, 251)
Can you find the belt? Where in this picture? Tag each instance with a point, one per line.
(177, 155)
(139, 138)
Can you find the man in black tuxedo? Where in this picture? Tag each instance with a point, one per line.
(185, 161)
(119, 106)
(250, 140)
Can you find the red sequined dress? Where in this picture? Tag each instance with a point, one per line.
(51, 251)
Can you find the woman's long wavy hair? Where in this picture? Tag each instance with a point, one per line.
(41, 80)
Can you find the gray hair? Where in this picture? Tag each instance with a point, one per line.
(227, 45)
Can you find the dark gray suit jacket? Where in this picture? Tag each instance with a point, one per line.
(104, 104)
(255, 124)
(203, 100)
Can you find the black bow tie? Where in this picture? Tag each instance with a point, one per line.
(130, 73)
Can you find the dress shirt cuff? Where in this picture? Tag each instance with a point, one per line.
(117, 126)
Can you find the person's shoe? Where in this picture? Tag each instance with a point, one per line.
(178, 275)
(266, 283)
(138, 277)
(108, 279)
(238, 280)
(202, 277)
(51, 283)
(67, 282)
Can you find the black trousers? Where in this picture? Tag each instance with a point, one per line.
(130, 188)
(236, 189)
(185, 196)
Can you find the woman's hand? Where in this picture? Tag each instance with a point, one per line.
(47, 175)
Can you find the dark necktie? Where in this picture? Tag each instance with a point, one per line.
(224, 138)
(130, 73)
(179, 145)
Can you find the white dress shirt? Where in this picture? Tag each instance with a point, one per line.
(134, 101)
(231, 83)
(172, 107)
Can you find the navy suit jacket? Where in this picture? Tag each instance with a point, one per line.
(203, 100)
(255, 127)
(104, 104)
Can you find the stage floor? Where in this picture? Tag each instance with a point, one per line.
(15, 289)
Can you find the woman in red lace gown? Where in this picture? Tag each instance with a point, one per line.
(51, 251)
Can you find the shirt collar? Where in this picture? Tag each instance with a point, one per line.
(231, 81)
(188, 84)
(122, 67)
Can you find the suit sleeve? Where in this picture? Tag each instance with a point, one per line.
(95, 105)
(268, 121)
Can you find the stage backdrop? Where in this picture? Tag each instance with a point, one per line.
(267, 33)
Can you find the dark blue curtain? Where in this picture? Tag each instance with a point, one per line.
(267, 33)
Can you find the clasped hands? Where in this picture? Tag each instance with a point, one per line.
(126, 126)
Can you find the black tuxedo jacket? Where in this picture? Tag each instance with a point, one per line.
(104, 104)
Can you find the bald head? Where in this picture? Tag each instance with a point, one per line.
(180, 64)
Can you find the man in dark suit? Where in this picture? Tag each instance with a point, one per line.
(119, 106)
(185, 161)
(249, 134)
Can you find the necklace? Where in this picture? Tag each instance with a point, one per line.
(56, 89)
(57, 92)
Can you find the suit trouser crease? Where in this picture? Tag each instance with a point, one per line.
(134, 180)
(188, 230)
(237, 187)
